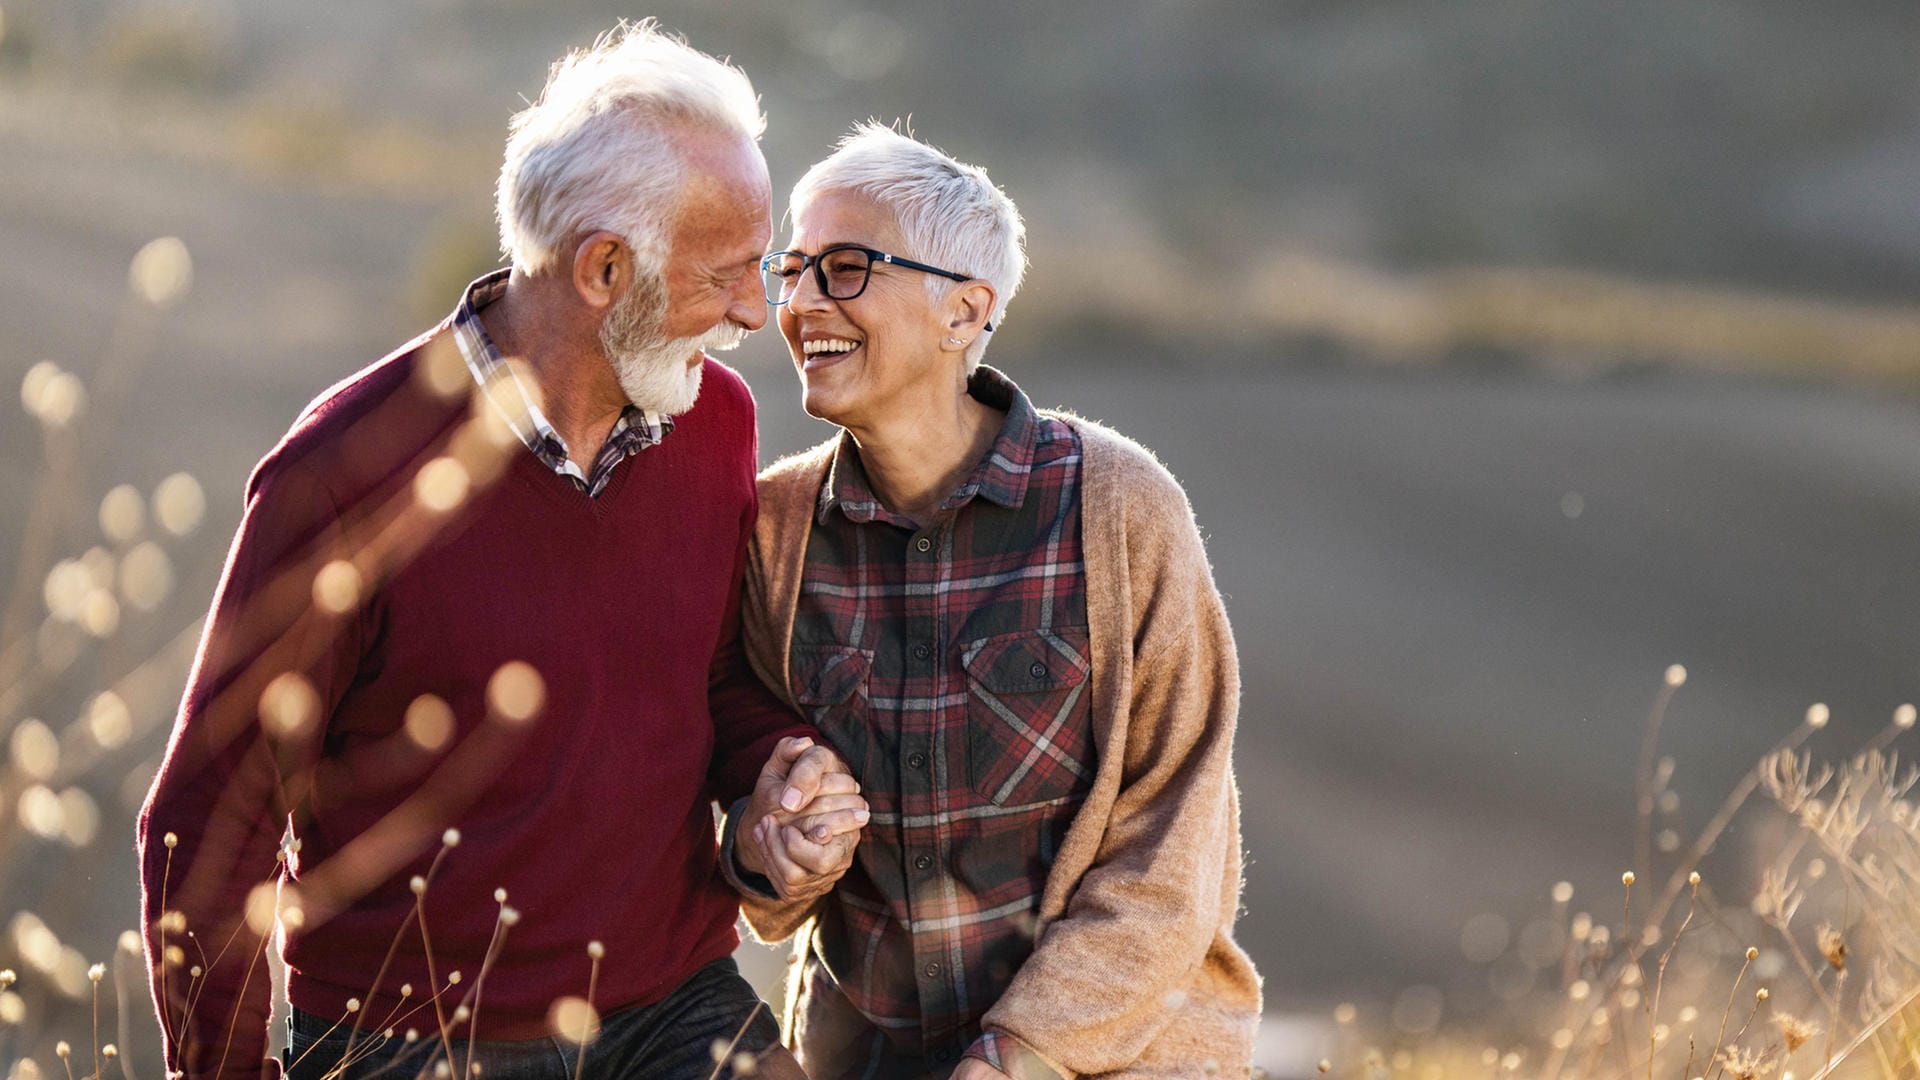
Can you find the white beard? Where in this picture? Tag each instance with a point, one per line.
(659, 376)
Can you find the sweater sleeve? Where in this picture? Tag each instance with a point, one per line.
(270, 668)
(1154, 890)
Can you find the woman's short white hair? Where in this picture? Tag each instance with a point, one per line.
(597, 150)
(950, 213)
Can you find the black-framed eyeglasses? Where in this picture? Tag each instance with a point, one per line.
(842, 272)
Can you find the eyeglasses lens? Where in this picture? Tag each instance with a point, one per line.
(844, 272)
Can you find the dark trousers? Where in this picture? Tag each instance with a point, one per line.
(671, 1039)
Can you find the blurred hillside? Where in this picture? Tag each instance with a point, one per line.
(1765, 144)
(1510, 351)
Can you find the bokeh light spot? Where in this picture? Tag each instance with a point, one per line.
(429, 722)
(289, 704)
(262, 908)
(442, 369)
(100, 613)
(109, 721)
(336, 588)
(146, 576)
(70, 974)
(35, 749)
(123, 513)
(37, 945)
(441, 484)
(79, 818)
(179, 504)
(573, 1019)
(66, 590)
(34, 386)
(40, 811)
(516, 691)
(99, 564)
(162, 272)
(56, 398)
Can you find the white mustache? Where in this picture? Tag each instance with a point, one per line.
(727, 335)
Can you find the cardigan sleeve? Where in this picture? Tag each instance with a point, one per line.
(786, 492)
(1153, 894)
(748, 720)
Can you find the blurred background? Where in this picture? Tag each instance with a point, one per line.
(1510, 351)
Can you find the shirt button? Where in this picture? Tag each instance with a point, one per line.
(943, 1055)
(922, 651)
(1038, 670)
(923, 545)
(931, 971)
(916, 760)
(921, 862)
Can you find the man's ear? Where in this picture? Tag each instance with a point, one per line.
(968, 309)
(602, 269)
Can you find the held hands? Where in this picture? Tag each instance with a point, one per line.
(975, 1069)
(803, 821)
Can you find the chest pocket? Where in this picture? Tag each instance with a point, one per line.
(1029, 718)
(830, 686)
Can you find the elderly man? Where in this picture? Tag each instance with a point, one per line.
(475, 656)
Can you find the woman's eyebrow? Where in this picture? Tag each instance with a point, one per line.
(834, 244)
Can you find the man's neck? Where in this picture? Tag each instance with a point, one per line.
(917, 459)
(576, 388)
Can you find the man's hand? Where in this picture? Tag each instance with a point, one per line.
(975, 1069)
(801, 825)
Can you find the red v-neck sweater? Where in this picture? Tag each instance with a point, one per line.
(593, 814)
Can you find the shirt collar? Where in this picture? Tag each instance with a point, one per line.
(1000, 477)
(509, 396)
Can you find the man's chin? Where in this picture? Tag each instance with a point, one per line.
(668, 389)
(690, 387)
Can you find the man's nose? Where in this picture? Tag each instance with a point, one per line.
(748, 305)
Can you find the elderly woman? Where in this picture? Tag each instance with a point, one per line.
(1004, 620)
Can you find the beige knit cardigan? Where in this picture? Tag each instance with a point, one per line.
(1134, 972)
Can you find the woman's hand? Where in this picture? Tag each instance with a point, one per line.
(801, 825)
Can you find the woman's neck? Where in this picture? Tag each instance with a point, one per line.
(915, 461)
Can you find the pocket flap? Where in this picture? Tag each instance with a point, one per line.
(828, 675)
(1027, 661)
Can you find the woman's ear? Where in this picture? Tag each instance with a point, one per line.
(969, 307)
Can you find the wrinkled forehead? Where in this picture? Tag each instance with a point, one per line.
(726, 204)
(844, 216)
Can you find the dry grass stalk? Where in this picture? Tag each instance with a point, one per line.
(1848, 851)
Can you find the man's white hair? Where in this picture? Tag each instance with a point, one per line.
(597, 150)
(950, 213)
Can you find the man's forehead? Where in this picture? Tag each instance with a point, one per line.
(726, 210)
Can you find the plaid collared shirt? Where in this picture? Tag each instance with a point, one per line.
(949, 666)
(633, 432)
